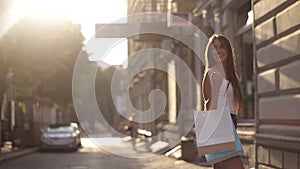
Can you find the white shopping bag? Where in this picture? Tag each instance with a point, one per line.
(214, 131)
(218, 157)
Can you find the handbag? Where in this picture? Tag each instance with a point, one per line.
(214, 130)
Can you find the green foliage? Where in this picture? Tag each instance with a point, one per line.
(42, 54)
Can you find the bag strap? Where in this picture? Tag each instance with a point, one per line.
(220, 115)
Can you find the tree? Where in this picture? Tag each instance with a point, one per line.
(42, 54)
(103, 93)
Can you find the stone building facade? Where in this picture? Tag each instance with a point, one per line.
(151, 79)
(145, 81)
(277, 63)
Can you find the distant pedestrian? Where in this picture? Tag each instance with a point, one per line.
(133, 129)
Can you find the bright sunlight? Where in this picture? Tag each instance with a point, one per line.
(84, 12)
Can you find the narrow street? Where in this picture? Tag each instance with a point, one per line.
(147, 69)
(91, 156)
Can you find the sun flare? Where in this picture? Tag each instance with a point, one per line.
(84, 12)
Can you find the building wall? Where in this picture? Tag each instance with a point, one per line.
(144, 82)
(277, 92)
(157, 79)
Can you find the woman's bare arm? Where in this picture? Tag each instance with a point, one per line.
(206, 90)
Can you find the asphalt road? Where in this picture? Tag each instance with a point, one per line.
(93, 157)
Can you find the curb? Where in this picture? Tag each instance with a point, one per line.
(12, 155)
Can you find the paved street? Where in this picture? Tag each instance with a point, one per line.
(91, 156)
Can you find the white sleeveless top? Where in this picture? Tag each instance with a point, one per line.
(224, 92)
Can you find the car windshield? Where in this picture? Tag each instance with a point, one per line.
(60, 129)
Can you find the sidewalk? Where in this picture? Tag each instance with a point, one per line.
(161, 147)
(5, 156)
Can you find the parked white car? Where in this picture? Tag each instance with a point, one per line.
(66, 136)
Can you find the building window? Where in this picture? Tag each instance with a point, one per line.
(244, 51)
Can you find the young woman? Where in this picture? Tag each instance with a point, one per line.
(220, 70)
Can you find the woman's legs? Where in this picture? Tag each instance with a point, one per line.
(232, 163)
